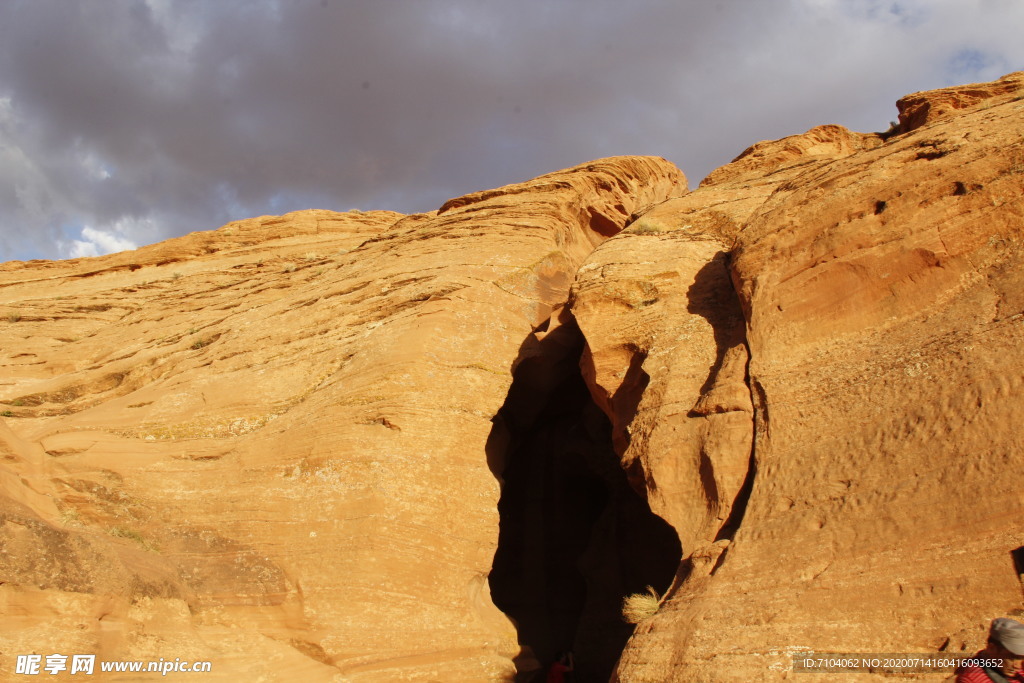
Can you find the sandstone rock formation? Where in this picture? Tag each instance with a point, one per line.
(280, 446)
(881, 291)
(265, 446)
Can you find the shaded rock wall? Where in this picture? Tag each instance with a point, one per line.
(575, 537)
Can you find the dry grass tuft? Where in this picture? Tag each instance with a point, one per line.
(132, 535)
(640, 606)
(646, 227)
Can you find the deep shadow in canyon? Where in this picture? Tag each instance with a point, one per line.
(575, 538)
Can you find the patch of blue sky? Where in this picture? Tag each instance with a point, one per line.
(69, 244)
(28, 253)
(227, 195)
(973, 64)
(903, 13)
(908, 14)
(281, 203)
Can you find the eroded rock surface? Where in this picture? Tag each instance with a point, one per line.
(883, 301)
(666, 356)
(265, 446)
(278, 446)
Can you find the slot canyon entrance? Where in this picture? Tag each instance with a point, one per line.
(575, 538)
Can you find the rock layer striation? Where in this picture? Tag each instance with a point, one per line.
(879, 280)
(279, 446)
(264, 446)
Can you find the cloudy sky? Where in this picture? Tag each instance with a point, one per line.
(125, 122)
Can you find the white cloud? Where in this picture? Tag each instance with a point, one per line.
(98, 242)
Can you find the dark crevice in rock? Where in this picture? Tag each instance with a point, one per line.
(711, 298)
(625, 402)
(759, 426)
(575, 538)
(760, 401)
(721, 306)
(1017, 557)
(739, 506)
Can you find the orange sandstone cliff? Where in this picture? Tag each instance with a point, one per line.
(443, 447)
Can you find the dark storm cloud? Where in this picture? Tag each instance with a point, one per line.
(123, 122)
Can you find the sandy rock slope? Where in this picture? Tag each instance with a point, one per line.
(264, 446)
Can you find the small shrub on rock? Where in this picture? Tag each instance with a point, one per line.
(640, 606)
